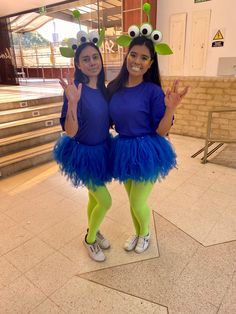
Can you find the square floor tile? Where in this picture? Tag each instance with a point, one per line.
(29, 254)
(20, 297)
(73, 298)
(8, 272)
(52, 273)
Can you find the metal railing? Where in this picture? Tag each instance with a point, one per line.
(211, 140)
(50, 56)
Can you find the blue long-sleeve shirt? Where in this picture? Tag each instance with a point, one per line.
(138, 110)
(92, 115)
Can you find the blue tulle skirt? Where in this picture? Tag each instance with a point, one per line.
(83, 165)
(145, 158)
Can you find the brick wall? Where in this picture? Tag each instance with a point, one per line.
(205, 93)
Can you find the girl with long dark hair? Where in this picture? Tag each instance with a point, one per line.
(142, 115)
(83, 153)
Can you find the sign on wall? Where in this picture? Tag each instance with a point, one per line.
(197, 1)
(218, 37)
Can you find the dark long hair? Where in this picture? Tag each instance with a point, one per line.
(152, 74)
(80, 77)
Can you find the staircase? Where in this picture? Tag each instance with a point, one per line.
(28, 131)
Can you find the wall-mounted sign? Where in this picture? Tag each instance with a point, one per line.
(217, 44)
(218, 38)
(197, 1)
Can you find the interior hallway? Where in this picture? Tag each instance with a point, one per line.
(189, 268)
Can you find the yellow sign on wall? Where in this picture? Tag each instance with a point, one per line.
(218, 36)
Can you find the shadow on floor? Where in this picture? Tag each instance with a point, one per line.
(227, 157)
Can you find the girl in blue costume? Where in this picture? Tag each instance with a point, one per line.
(142, 115)
(83, 153)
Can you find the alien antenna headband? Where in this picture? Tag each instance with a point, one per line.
(146, 30)
(82, 37)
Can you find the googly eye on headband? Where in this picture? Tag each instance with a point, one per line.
(82, 37)
(146, 30)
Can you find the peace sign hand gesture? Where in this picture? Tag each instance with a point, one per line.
(173, 96)
(73, 93)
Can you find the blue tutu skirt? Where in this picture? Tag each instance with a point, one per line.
(83, 165)
(145, 158)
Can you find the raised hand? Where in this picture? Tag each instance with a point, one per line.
(73, 93)
(173, 96)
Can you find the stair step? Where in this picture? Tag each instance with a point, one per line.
(29, 112)
(28, 132)
(22, 137)
(30, 102)
(19, 142)
(25, 159)
(27, 125)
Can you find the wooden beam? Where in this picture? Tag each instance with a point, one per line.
(62, 16)
(104, 13)
(70, 5)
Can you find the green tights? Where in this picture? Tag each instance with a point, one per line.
(138, 193)
(98, 204)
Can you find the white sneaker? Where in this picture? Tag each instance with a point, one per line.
(94, 251)
(142, 243)
(103, 242)
(131, 243)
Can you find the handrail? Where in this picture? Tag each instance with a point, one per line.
(208, 135)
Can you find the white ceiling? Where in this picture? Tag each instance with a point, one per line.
(8, 7)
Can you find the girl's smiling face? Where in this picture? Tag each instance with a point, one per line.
(138, 60)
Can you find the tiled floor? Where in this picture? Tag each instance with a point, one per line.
(189, 268)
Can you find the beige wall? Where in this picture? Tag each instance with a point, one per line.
(206, 93)
(222, 17)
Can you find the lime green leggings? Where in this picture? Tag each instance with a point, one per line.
(138, 193)
(98, 204)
